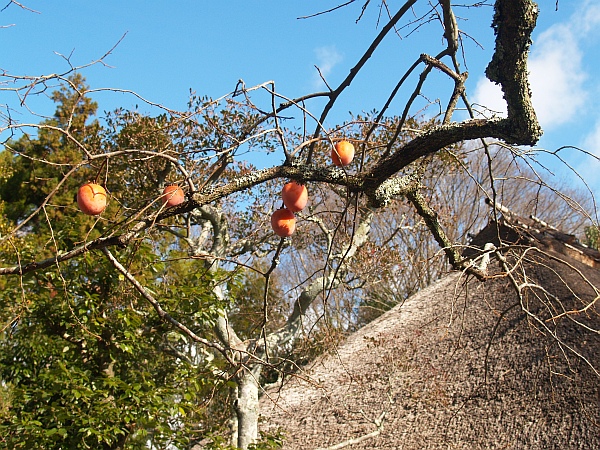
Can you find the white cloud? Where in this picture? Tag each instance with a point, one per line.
(589, 17)
(590, 168)
(556, 73)
(327, 58)
(592, 141)
(557, 76)
(488, 96)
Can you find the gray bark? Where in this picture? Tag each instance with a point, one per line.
(247, 407)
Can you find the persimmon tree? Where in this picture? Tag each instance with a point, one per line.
(189, 262)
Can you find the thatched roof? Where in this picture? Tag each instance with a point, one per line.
(463, 364)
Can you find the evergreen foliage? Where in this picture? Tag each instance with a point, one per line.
(85, 362)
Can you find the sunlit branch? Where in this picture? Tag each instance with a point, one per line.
(431, 220)
(34, 81)
(292, 328)
(356, 69)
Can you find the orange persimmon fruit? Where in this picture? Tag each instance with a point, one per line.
(91, 199)
(342, 153)
(283, 222)
(172, 195)
(295, 196)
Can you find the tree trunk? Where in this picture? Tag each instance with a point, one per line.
(246, 407)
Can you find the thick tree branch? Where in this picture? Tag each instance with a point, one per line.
(220, 234)
(514, 21)
(431, 220)
(436, 139)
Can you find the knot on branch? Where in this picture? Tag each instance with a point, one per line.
(391, 188)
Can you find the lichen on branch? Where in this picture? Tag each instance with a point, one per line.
(514, 21)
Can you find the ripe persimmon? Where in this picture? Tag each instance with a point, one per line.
(91, 199)
(342, 153)
(172, 195)
(283, 222)
(295, 196)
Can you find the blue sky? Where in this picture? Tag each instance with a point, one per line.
(172, 47)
